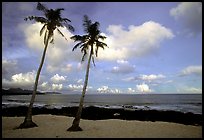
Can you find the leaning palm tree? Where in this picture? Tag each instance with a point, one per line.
(89, 42)
(51, 21)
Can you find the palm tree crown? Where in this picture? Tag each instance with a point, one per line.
(51, 21)
(90, 39)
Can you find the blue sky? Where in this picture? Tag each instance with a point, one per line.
(154, 47)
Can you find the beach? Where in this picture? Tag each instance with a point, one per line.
(55, 126)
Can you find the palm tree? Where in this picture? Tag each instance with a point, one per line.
(89, 42)
(51, 21)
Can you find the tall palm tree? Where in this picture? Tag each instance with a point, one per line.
(89, 42)
(51, 21)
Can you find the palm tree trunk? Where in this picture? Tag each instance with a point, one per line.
(28, 123)
(75, 124)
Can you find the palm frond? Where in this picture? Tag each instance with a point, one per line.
(59, 9)
(41, 7)
(52, 40)
(75, 47)
(65, 19)
(69, 27)
(99, 44)
(82, 59)
(96, 24)
(96, 51)
(93, 61)
(87, 23)
(102, 37)
(90, 39)
(57, 13)
(77, 38)
(43, 29)
(37, 19)
(61, 34)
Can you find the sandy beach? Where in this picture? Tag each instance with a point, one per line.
(52, 126)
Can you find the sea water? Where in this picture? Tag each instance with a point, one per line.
(175, 102)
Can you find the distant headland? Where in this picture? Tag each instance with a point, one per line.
(19, 91)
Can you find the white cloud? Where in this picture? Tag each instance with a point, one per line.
(67, 68)
(58, 53)
(57, 78)
(106, 89)
(103, 89)
(52, 69)
(122, 61)
(57, 86)
(144, 88)
(79, 81)
(134, 42)
(81, 66)
(192, 70)
(75, 87)
(130, 90)
(22, 80)
(8, 67)
(128, 79)
(44, 86)
(186, 89)
(193, 90)
(151, 77)
(190, 15)
(123, 67)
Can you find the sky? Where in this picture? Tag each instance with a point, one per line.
(153, 47)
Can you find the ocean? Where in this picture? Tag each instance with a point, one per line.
(175, 102)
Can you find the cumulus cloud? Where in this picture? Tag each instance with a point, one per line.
(193, 90)
(57, 86)
(190, 15)
(123, 67)
(79, 81)
(57, 78)
(192, 70)
(102, 89)
(134, 42)
(129, 79)
(149, 78)
(143, 88)
(75, 87)
(189, 90)
(8, 67)
(67, 68)
(22, 80)
(130, 90)
(106, 89)
(58, 53)
(44, 86)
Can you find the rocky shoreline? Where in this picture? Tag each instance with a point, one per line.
(97, 113)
